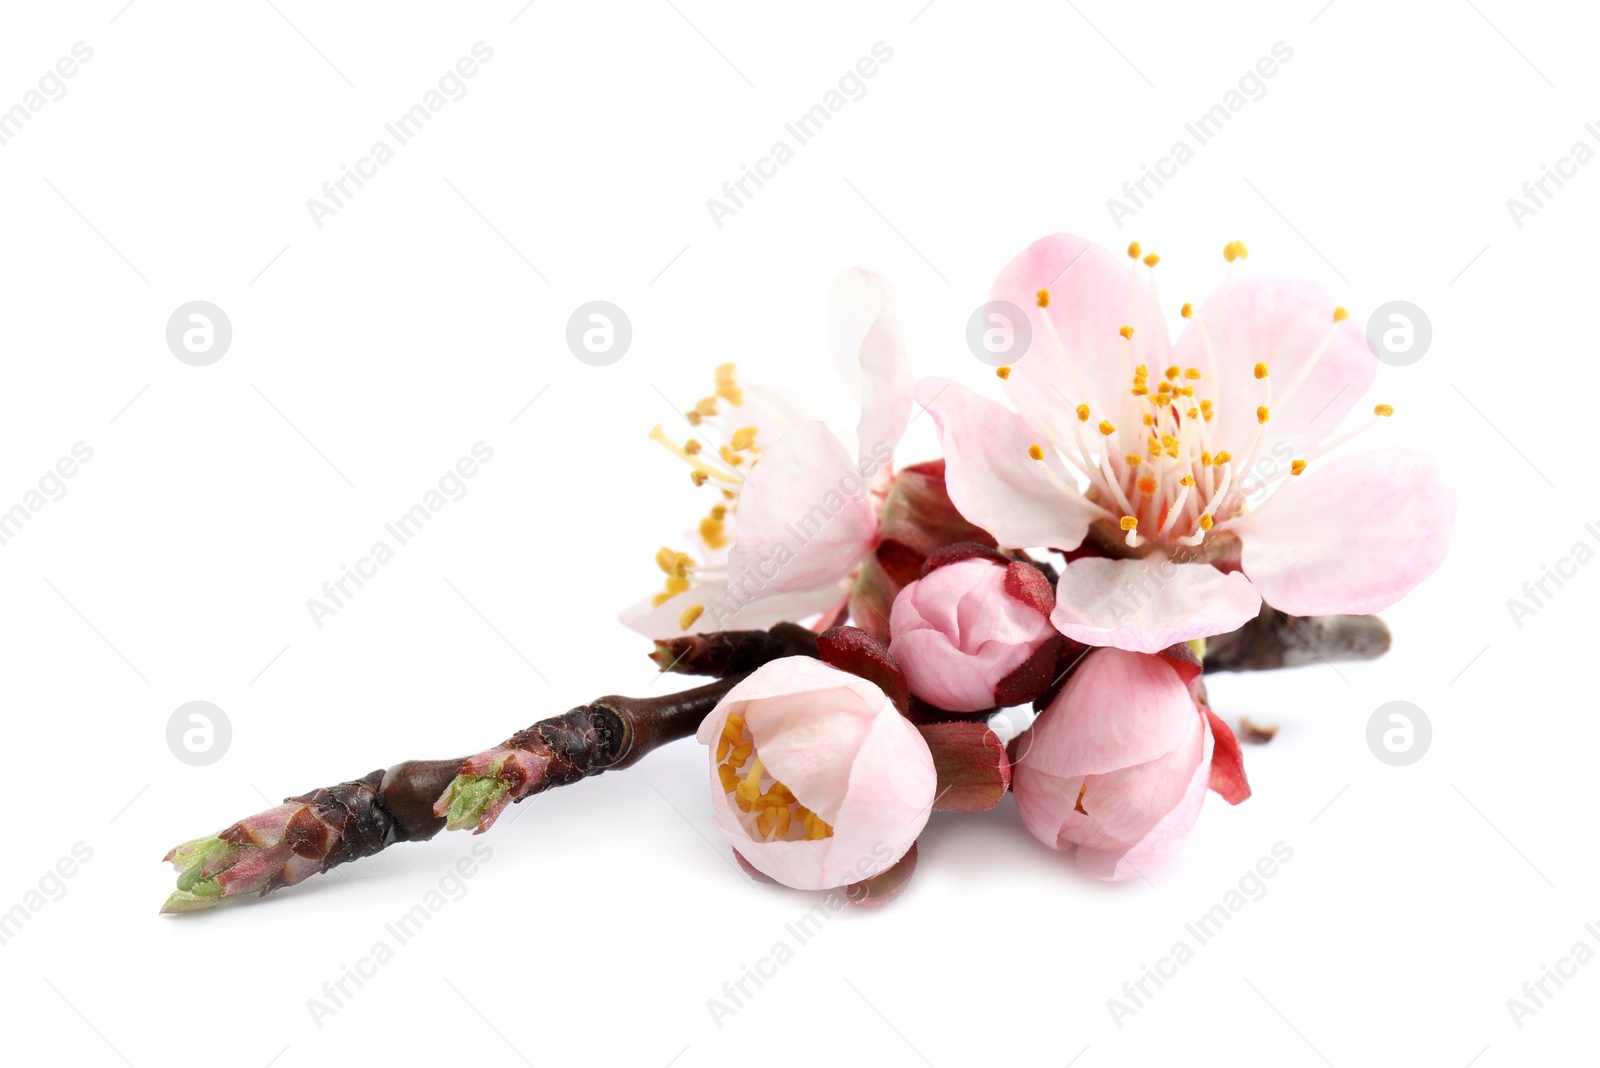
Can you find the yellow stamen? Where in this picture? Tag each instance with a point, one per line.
(743, 438)
(1134, 250)
(1263, 413)
(1297, 467)
(690, 614)
(1341, 314)
(1261, 370)
(1186, 480)
(1042, 298)
(1107, 427)
(1206, 521)
(1130, 522)
(1187, 311)
(1002, 372)
(1133, 459)
(1036, 452)
(1384, 410)
(1083, 413)
(1151, 260)
(1193, 374)
(1222, 457)
(1126, 332)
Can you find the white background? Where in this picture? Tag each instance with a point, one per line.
(425, 315)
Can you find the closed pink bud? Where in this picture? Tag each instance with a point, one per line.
(817, 780)
(1118, 764)
(963, 628)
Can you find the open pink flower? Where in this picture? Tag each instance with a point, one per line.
(817, 779)
(1194, 471)
(796, 510)
(964, 628)
(1118, 764)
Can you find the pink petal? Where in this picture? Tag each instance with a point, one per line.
(1161, 842)
(805, 516)
(1119, 709)
(1352, 535)
(1279, 322)
(1094, 293)
(724, 611)
(864, 330)
(1147, 604)
(993, 481)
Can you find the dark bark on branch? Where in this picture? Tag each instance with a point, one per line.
(1275, 639)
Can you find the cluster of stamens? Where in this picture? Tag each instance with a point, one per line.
(1174, 486)
(723, 466)
(778, 815)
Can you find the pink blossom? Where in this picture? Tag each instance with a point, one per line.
(794, 509)
(1224, 497)
(962, 629)
(817, 780)
(1118, 764)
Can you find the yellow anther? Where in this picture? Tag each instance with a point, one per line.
(1297, 467)
(706, 406)
(1384, 410)
(1261, 370)
(1205, 459)
(690, 614)
(1187, 391)
(1206, 521)
(694, 417)
(1130, 522)
(1341, 314)
(1263, 413)
(1002, 372)
(1169, 442)
(729, 777)
(740, 754)
(1187, 310)
(1186, 480)
(1222, 457)
(1172, 449)
(692, 446)
(1192, 373)
(730, 392)
(1036, 452)
(711, 532)
(1083, 413)
(1149, 420)
(1174, 371)
(699, 478)
(723, 746)
(725, 372)
(1134, 250)
(1164, 387)
(1141, 371)
(1107, 427)
(1126, 332)
(732, 458)
(743, 438)
(1151, 260)
(1133, 459)
(1193, 413)
(719, 512)
(1205, 405)
(1141, 390)
(1042, 298)
(1235, 250)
